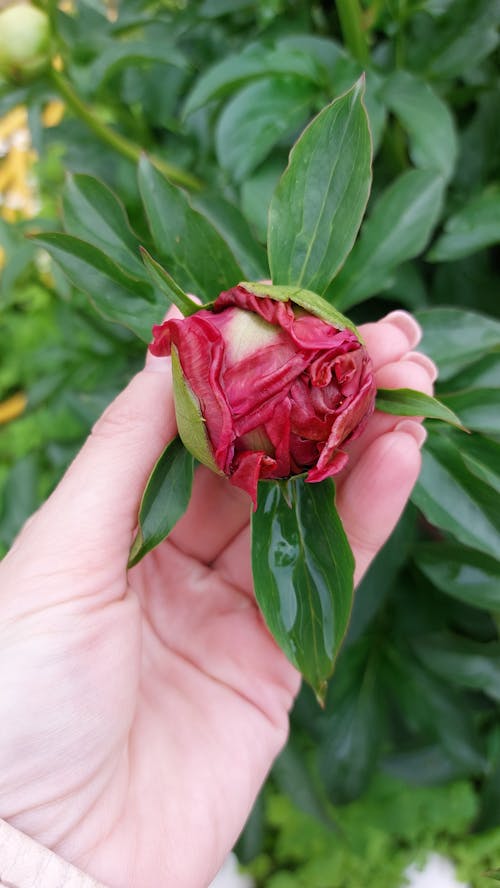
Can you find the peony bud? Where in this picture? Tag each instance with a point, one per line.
(269, 383)
(24, 41)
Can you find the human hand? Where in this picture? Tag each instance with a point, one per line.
(141, 711)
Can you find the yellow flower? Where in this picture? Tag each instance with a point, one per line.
(12, 407)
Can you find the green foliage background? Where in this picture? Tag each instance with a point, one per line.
(407, 754)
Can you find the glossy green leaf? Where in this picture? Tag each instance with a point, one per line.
(251, 841)
(341, 70)
(212, 9)
(257, 193)
(482, 457)
(435, 707)
(408, 286)
(118, 56)
(463, 573)
(164, 500)
(407, 402)
(482, 374)
(351, 735)
(93, 213)
(113, 293)
(462, 661)
(453, 498)
(235, 230)
(398, 229)
(299, 783)
(303, 574)
(460, 41)
(253, 63)
(423, 766)
(197, 255)
(319, 202)
(474, 227)
(19, 497)
(256, 118)
(478, 408)
(165, 282)
(379, 580)
(455, 337)
(427, 120)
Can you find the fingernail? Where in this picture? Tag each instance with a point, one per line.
(415, 429)
(407, 324)
(425, 362)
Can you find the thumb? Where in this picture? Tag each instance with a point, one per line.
(93, 511)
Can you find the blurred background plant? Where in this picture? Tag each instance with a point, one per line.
(406, 756)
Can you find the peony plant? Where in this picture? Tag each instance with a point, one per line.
(271, 382)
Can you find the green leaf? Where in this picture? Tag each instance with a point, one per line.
(426, 119)
(117, 56)
(235, 230)
(19, 497)
(303, 574)
(474, 227)
(483, 374)
(478, 408)
(429, 764)
(257, 193)
(459, 42)
(407, 402)
(200, 259)
(255, 62)
(93, 213)
(165, 282)
(453, 498)
(462, 661)
(113, 293)
(398, 229)
(256, 118)
(436, 708)
(482, 457)
(379, 580)
(455, 338)
(465, 574)
(294, 778)
(352, 734)
(164, 500)
(319, 202)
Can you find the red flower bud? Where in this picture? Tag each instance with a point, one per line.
(266, 389)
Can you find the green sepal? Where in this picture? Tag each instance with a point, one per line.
(307, 300)
(190, 422)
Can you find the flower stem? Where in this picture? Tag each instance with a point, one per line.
(351, 23)
(115, 140)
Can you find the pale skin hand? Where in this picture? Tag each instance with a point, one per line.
(141, 712)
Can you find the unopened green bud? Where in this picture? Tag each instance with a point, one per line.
(24, 41)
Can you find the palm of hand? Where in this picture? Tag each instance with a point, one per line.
(148, 711)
